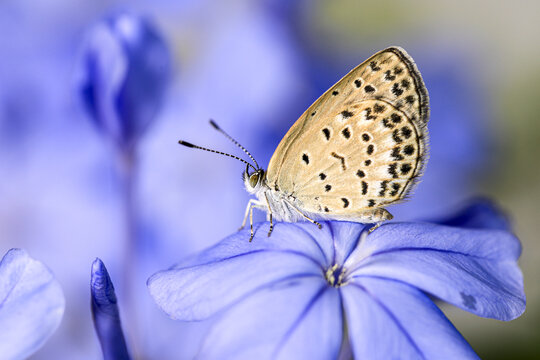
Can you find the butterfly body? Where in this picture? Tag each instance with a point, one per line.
(360, 147)
(287, 207)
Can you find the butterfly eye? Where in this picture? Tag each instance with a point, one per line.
(253, 180)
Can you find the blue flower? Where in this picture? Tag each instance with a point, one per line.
(31, 305)
(106, 315)
(125, 70)
(310, 293)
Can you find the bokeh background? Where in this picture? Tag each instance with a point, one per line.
(254, 67)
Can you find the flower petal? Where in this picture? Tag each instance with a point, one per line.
(106, 315)
(475, 270)
(294, 237)
(103, 69)
(479, 214)
(345, 236)
(297, 319)
(31, 304)
(234, 268)
(388, 319)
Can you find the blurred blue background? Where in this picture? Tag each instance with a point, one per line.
(254, 67)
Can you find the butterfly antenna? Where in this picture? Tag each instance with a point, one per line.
(215, 126)
(190, 145)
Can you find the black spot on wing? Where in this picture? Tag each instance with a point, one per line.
(346, 133)
(384, 187)
(322, 176)
(406, 132)
(326, 133)
(396, 137)
(408, 150)
(368, 114)
(369, 89)
(405, 84)
(387, 123)
(396, 153)
(341, 158)
(345, 202)
(392, 170)
(409, 99)
(405, 168)
(374, 67)
(388, 76)
(357, 83)
(364, 188)
(395, 118)
(395, 189)
(370, 149)
(377, 108)
(305, 158)
(396, 90)
(346, 114)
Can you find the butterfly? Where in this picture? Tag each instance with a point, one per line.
(360, 147)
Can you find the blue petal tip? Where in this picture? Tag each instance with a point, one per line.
(106, 314)
(102, 288)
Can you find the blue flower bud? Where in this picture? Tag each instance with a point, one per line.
(125, 68)
(106, 314)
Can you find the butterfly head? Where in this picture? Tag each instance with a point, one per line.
(253, 181)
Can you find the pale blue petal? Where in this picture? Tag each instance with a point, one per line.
(298, 319)
(475, 270)
(387, 319)
(479, 214)
(291, 237)
(345, 236)
(31, 305)
(325, 237)
(233, 269)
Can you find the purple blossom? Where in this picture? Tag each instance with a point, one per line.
(106, 314)
(293, 294)
(31, 305)
(124, 73)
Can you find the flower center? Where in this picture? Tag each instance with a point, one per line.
(335, 275)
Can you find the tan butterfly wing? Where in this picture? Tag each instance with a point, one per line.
(361, 145)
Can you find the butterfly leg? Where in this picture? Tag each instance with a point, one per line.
(379, 216)
(251, 234)
(374, 227)
(269, 215)
(303, 215)
(251, 203)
